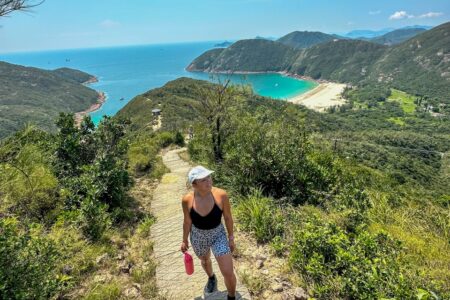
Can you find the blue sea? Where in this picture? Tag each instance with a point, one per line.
(125, 72)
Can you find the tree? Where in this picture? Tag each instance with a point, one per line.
(216, 107)
(9, 6)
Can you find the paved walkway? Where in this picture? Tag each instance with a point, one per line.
(167, 235)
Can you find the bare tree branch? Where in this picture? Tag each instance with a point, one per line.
(9, 6)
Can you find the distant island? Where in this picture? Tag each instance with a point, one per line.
(32, 95)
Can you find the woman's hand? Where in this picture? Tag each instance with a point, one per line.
(232, 245)
(184, 246)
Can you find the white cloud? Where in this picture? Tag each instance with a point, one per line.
(109, 23)
(400, 15)
(376, 12)
(431, 15)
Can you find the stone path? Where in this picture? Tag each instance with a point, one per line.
(167, 235)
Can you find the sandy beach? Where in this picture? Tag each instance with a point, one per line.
(323, 96)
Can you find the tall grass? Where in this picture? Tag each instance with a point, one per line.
(259, 215)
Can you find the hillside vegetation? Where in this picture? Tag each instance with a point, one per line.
(419, 66)
(72, 224)
(305, 39)
(31, 95)
(356, 205)
(241, 56)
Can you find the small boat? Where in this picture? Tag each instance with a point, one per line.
(121, 99)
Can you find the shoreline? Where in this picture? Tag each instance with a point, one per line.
(101, 99)
(321, 97)
(283, 73)
(93, 79)
(326, 94)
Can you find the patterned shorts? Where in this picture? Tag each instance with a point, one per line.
(204, 239)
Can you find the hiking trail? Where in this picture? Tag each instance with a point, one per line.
(167, 234)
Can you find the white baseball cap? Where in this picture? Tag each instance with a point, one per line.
(198, 172)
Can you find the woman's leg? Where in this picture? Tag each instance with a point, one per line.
(199, 242)
(226, 268)
(206, 263)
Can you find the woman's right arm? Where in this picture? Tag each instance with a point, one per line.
(187, 223)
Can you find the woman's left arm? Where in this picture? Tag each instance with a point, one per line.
(228, 218)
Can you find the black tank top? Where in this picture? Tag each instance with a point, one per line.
(210, 221)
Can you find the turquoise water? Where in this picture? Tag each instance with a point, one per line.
(272, 85)
(125, 72)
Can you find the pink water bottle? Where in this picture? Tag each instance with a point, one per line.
(188, 263)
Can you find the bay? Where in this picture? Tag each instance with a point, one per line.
(124, 72)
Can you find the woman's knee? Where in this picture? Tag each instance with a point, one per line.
(226, 267)
(228, 274)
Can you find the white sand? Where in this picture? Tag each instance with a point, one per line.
(323, 96)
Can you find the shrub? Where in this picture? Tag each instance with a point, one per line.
(179, 139)
(94, 219)
(199, 148)
(27, 184)
(278, 245)
(275, 158)
(142, 155)
(165, 139)
(27, 263)
(92, 161)
(341, 265)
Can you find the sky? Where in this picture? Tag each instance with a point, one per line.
(67, 24)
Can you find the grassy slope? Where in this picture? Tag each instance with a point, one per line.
(406, 101)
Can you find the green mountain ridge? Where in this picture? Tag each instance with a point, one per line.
(306, 39)
(397, 36)
(241, 56)
(420, 65)
(340, 60)
(34, 95)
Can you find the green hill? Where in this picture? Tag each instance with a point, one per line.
(340, 60)
(397, 36)
(420, 65)
(255, 55)
(37, 96)
(305, 39)
(177, 99)
(204, 61)
(75, 75)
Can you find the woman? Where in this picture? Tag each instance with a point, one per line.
(203, 209)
